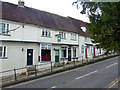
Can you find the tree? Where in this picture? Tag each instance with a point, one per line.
(104, 23)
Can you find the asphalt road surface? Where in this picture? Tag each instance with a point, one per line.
(98, 75)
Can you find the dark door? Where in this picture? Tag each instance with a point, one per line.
(69, 54)
(56, 55)
(29, 56)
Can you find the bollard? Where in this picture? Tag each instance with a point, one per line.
(15, 74)
(51, 66)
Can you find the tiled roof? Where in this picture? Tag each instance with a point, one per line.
(28, 15)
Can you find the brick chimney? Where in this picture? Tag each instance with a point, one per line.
(21, 3)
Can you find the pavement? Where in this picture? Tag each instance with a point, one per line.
(98, 75)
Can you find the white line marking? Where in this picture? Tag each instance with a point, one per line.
(53, 87)
(110, 65)
(87, 74)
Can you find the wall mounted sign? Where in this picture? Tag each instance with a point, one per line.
(58, 37)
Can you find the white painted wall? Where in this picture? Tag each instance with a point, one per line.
(81, 42)
(16, 57)
(33, 33)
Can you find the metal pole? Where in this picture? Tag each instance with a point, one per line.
(63, 64)
(15, 74)
(35, 71)
(98, 55)
(51, 66)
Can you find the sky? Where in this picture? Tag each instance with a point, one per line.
(59, 7)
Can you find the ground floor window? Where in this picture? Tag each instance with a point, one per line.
(63, 52)
(3, 51)
(91, 49)
(46, 55)
(74, 52)
(46, 52)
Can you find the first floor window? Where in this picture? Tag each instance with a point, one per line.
(63, 35)
(63, 52)
(46, 32)
(4, 28)
(73, 36)
(3, 51)
(74, 51)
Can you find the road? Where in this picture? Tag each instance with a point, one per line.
(98, 75)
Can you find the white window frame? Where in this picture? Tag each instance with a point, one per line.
(75, 48)
(63, 35)
(47, 32)
(5, 29)
(3, 52)
(64, 48)
(73, 36)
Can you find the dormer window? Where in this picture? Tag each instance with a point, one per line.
(83, 29)
(4, 28)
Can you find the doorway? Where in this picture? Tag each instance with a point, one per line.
(57, 55)
(29, 56)
(69, 54)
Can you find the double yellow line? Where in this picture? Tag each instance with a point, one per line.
(113, 83)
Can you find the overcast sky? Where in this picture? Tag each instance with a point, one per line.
(60, 7)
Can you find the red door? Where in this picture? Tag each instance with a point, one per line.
(85, 52)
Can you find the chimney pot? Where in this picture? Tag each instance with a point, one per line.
(21, 3)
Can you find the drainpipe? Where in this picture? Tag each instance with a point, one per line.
(78, 48)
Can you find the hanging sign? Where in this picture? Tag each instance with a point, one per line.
(58, 37)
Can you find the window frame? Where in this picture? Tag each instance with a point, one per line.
(3, 52)
(73, 36)
(63, 35)
(46, 32)
(4, 28)
(62, 50)
(74, 50)
(84, 29)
